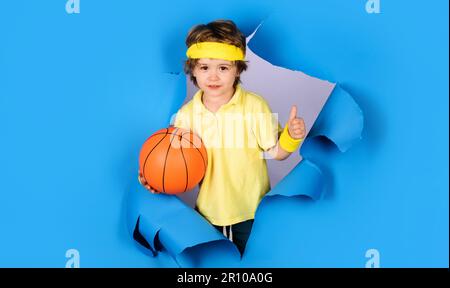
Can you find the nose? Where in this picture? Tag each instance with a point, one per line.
(212, 76)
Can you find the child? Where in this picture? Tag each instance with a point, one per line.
(235, 125)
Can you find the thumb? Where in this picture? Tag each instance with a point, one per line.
(293, 113)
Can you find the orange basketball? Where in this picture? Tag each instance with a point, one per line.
(173, 160)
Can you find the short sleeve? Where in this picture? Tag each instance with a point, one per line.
(265, 125)
(182, 119)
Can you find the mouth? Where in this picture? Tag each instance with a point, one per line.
(213, 86)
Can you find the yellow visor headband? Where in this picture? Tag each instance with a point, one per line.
(215, 50)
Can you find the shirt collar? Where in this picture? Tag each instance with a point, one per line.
(236, 99)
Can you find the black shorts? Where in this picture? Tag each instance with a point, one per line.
(238, 233)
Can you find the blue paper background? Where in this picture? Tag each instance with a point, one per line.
(80, 93)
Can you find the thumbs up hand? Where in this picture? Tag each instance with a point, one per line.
(296, 126)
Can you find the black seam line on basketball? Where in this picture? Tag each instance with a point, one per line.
(201, 155)
(162, 133)
(146, 158)
(167, 133)
(157, 134)
(204, 164)
(185, 166)
(145, 162)
(165, 160)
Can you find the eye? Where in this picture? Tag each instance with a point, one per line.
(223, 68)
(204, 68)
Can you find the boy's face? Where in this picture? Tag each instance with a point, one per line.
(215, 76)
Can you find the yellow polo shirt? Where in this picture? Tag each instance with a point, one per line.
(235, 136)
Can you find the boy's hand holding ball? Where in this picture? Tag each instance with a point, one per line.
(144, 183)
